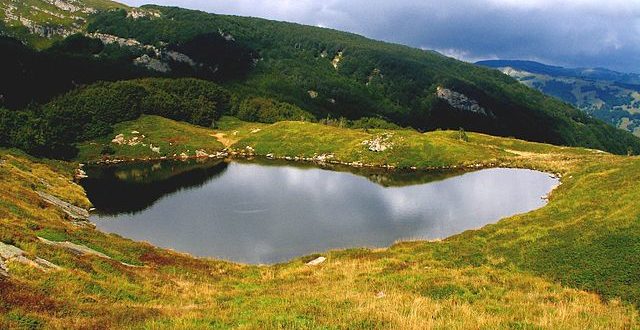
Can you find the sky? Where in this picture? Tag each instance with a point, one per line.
(572, 33)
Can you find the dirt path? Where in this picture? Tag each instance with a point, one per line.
(222, 138)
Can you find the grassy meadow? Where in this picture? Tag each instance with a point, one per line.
(573, 264)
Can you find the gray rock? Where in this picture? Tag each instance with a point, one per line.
(460, 101)
(75, 212)
(9, 251)
(75, 248)
(47, 264)
(316, 261)
(4, 272)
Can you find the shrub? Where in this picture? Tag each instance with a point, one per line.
(269, 111)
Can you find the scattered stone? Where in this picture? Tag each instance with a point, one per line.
(313, 94)
(270, 156)
(80, 174)
(184, 155)
(135, 132)
(316, 261)
(119, 139)
(77, 213)
(379, 143)
(380, 295)
(201, 154)
(323, 158)
(154, 149)
(255, 130)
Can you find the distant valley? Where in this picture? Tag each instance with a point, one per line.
(611, 96)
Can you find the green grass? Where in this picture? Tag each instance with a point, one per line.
(572, 264)
(44, 13)
(171, 137)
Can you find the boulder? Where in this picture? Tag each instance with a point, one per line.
(75, 212)
(317, 261)
(201, 154)
(119, 139)
(9, 251)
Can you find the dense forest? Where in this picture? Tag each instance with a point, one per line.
(275, 71)
(52, 129)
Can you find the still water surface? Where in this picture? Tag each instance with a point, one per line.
(257, 213)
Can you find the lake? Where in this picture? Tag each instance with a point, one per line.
(269, 212)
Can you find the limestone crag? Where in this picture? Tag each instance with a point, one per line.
(460, 101)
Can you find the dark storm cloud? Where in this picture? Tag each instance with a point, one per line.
(571, 33)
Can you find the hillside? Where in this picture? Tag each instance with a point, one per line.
(571, 264)
(611, 96)
(40, 22)
(311, 72)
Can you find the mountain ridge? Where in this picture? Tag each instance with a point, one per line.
(327, 73)
(608, 95)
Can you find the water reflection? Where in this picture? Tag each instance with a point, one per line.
(133, 187)
(263, 214)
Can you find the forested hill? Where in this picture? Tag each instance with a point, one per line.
(326, 73)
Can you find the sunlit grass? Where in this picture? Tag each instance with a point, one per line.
(572, 264)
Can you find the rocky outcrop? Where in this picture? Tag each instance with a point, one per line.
(80, 250)
(379, 143)
(76, 249)
(313, 94)
(4, 271)
(137, 13)
(201, 154)
(10, 253)
(179, 57)
(152, 64)
(336, 60)
(316, 261)
(460, 101)
(77, 213)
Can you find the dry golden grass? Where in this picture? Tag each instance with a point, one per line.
(544, 269)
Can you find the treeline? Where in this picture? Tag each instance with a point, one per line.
(52, 129)
(30, 76)
(331, 73)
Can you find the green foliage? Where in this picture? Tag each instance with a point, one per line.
(259, 109)
(78, 44)
(372, 123)
(53, 129)
(462, 135)
(327, 72)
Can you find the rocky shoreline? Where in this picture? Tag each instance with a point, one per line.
(248, 153)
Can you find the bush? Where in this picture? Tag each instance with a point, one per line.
(269, 111)
(370, 123)
(52, 129)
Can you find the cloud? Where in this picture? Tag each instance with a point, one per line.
(570, 33)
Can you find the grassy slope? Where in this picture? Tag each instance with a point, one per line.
(171, 137)
(296, 60)
(43, 13)
(500, 276)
